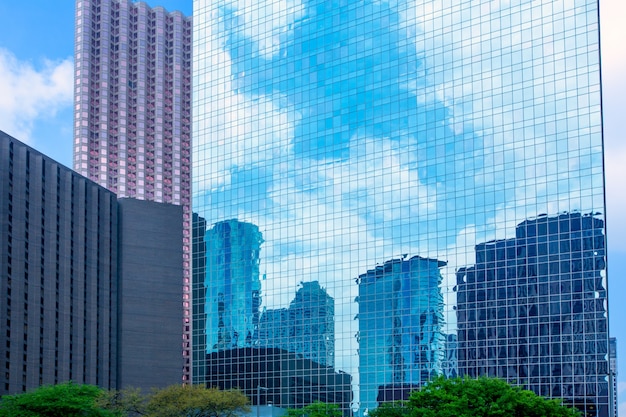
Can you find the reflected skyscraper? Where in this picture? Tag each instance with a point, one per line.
(307, 327)
(450, 364)
(532, 310)
(351, 132)
(233, 287)
(401, 342)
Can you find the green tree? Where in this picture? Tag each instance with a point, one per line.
(316, 409)
(482, 397)
(196, 401)
(128, 402)
(391, 409)
(62, 400)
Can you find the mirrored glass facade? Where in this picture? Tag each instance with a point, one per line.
(412, 188)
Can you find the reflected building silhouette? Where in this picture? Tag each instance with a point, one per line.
(401, 342)
(306, 328)
(233, 287)
(288, 380)
(533, 311)
(282, 351)
(450, 364)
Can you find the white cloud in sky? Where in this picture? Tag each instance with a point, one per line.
(29, 93)
(612, 17)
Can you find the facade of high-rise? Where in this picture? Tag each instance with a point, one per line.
(58, 273)
(533, 310)
(85, 280)
(132, 110)
(352, 133)
(148, 325)
(613, 370)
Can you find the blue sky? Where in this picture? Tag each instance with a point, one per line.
(36, 48)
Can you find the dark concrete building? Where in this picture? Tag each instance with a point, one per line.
(149, 254)
(89, 287)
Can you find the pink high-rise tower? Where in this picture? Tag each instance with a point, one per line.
(132, 104)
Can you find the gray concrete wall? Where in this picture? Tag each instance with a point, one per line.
(150, 294)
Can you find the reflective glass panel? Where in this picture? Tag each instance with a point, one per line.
(386, 191)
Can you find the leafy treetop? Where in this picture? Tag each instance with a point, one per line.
(62, 400)
(467, 397)
(316, 409)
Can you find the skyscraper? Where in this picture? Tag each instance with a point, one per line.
(85, 280)
(58, 273)
(132, 117)
(613, 370)
(357, 132)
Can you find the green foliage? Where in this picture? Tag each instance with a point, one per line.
(196, 401)
(128, 402)
(482, 397)
(63, 400)
(391, 409)
(316, 409)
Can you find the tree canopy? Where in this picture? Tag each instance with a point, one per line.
(76, 400)
(467, 397)
(128, 402)
(62, 400)
(196, 401)
(316, 409)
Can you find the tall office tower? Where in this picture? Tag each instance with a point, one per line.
(613, 370)
(132, 102)
(353, 132)
(401, 342)
(533, 310)
(58, 276)
(232, 284)
(85, 280)
(306, 328)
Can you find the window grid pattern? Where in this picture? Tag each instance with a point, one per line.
(359, 136)
(58, 299)
(132, 130)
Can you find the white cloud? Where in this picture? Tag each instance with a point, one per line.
(266, 22)
(615, 197)
(613, 14)
(28, 93)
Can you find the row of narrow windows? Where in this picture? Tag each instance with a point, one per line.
(31, 240)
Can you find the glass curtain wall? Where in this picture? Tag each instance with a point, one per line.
(391, 190)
